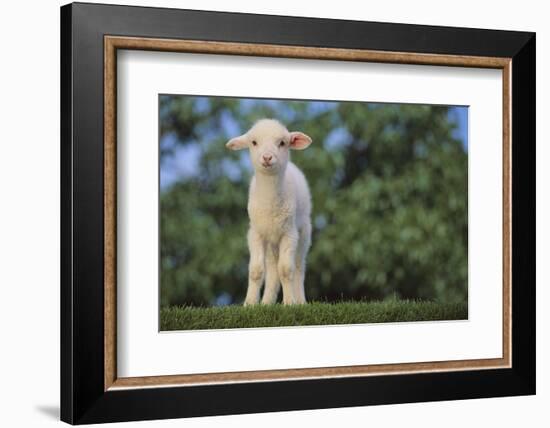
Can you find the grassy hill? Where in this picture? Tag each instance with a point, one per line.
(315, 313)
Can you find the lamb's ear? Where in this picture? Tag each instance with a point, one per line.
(237, 143)
(299, 141)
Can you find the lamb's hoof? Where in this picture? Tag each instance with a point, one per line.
(294, 302)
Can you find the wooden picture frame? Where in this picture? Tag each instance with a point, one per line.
(91, 390)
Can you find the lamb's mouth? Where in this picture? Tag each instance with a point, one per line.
(267, 165)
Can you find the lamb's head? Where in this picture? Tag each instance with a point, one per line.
(269, 142)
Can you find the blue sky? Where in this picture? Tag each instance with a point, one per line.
(460, 116)
(185, 162)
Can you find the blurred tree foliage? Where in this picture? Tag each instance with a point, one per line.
(389, 189)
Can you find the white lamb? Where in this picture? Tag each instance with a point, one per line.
(279, 207)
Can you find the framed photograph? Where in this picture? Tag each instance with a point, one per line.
(266, 213)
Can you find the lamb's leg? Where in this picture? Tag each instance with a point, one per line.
(286, 265)
(256, 247)
(272, 284)
(304, 242)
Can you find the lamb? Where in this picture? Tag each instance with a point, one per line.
(279, 208)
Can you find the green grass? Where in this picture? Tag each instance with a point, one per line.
(315, 313)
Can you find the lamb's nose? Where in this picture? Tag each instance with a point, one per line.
(267, 158)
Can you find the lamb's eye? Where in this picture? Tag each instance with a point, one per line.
(254, 143)
(282, 143)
